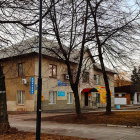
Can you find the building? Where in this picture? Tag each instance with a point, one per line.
(20, 66)
(125, 95)
(122, 79)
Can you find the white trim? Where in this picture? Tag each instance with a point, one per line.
(2, 92)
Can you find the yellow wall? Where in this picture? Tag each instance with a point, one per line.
(14, 82)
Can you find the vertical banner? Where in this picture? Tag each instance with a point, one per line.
(32, 85)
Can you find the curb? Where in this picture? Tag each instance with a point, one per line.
(122, 126)
(113, 125)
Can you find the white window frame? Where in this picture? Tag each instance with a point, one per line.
(69, 98)
(52, 98)
(22, 97)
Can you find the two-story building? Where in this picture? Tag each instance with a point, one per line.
(20, 66)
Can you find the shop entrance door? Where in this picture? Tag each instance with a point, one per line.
(86, 98)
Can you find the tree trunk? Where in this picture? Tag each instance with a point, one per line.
(108, 106)
(77, 101)
(4, 124)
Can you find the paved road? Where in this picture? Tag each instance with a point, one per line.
(84, 131)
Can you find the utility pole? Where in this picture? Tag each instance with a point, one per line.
(38, 121)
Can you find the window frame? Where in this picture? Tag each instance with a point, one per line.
(87, 78)
(123, 95)
(97, 79)
(21, 71)
(52, 73)
(22, 97)
(69, 97)
(116, 95)
(54, 93)
(98, 97)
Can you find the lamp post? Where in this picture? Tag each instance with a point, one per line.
(38, 121)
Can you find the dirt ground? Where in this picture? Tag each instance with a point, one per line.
(31, 136)
(130, 118)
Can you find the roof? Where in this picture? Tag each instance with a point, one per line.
(123, 76)
(127, 89)
(49, 48)
(98, 67)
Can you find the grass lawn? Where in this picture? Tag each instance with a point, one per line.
(31, 136)
(131, 118)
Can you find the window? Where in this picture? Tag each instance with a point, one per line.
(20, 97)
(123, 95)
(97, 78)
(97, 98)
(116, 95)
(69, 98)
(52, 70)
(52, 97)
(85, 77)
(21, 69)
(138, 97)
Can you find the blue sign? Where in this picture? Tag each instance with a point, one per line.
(61, 93)
(60, 83)
(32, 85)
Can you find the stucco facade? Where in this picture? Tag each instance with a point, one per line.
(54, 95)
(14, 82)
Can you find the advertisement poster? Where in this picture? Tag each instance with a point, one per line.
(102, 91)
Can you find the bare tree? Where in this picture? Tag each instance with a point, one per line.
(109, 27)
(69, 24)
(115, 33)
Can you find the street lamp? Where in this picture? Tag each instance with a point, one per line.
(38, 121)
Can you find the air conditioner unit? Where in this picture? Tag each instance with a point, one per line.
(66, 76)
(24, 81)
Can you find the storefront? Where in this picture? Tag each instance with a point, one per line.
(94, 97)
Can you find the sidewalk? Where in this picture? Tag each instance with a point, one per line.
(97, 132)
(123, 108)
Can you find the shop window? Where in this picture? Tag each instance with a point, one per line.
(97, 98)
(20, 97)
(69, 98)
(52, 71)
(21, 69)
(85, 77)
(52, 97)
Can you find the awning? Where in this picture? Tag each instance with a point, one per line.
(89, 90)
